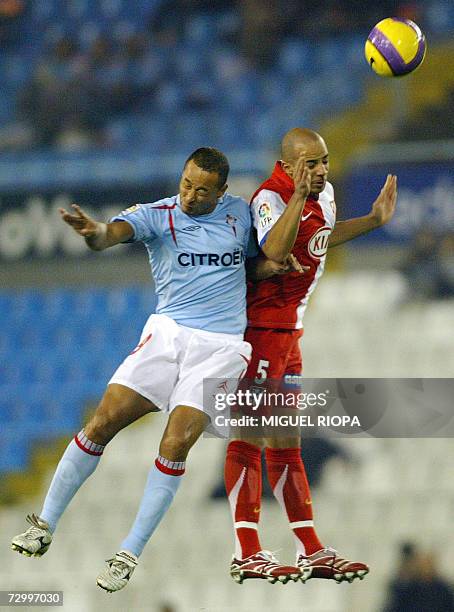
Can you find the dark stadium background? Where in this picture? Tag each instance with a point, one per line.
(101, 102)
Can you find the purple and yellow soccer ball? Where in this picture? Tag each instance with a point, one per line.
(395, 47)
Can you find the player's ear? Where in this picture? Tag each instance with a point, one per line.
(287, 168)
(222, 190)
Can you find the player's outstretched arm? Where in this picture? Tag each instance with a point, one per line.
(282, 236)
(98, 235)
(259, 268)
(381, 213)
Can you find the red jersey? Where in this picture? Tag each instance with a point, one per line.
(280, 301)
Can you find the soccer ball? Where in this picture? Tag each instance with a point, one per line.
(395, 47)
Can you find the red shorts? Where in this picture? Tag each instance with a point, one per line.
(275, 352)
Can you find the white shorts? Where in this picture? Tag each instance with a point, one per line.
(171, 361)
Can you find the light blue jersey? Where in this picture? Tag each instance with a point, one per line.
(197, 262)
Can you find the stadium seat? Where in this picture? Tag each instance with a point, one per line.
(295, 58)
(76, 9)
(14, 451)
(440, 15)
(201, 30)
(147, 70)
(355, 55)
(45, 10)
(87, 34)
(169, 98)
(110, 9)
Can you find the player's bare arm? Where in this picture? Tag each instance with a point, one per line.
(259, 268)
(282, 236)
(381, 213)
(98, 235)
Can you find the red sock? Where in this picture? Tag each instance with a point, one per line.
(243, 483)
(288, 480)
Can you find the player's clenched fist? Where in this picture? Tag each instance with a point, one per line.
(302, 177)
(82, 223)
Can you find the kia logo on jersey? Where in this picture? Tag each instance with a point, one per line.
(318, 244)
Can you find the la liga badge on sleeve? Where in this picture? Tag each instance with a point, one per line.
(265, 214)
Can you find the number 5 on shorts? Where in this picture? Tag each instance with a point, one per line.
(262, 374)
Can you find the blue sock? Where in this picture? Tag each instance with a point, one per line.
(79, 461)
(162, 484)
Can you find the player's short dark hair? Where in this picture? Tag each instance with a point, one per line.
(211, 160)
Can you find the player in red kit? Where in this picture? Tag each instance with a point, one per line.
(294, 212)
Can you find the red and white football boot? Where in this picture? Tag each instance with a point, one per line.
(327, 563)
(263, 565)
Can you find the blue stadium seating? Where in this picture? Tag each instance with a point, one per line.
(58, 349)
(204, 65)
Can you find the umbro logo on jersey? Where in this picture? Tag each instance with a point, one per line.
(191, 228)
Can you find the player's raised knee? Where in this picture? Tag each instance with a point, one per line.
(119, 407)
(101, 428)
(183, 429)
(176, 447)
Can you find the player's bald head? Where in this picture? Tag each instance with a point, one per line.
(302, 141)
(297, 140)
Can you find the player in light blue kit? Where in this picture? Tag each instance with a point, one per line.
(197, 244)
